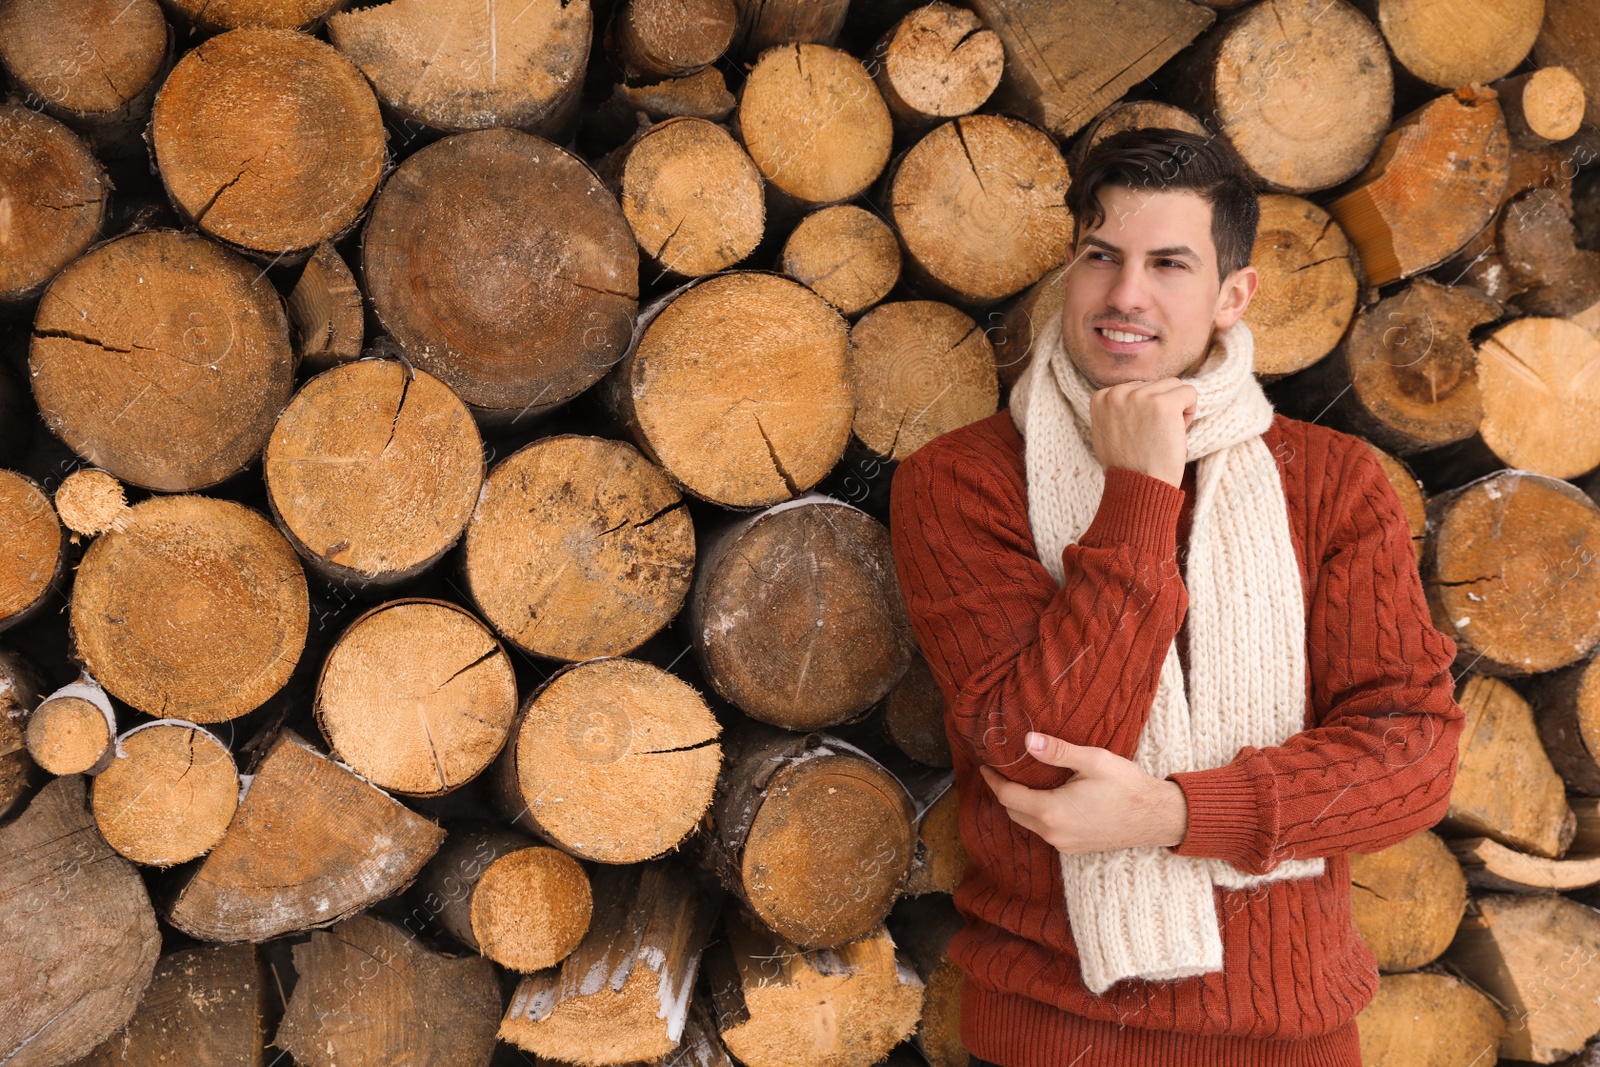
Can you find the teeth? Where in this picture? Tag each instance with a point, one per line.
(1119, 335)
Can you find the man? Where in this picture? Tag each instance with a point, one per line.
(1187, 662)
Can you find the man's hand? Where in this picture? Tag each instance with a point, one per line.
(1109, 803)
(1143, 426)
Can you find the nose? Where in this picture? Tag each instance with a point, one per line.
(1129, 290)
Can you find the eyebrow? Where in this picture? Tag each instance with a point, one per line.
(1176, 250)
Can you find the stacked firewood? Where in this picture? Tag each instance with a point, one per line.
(444, 459)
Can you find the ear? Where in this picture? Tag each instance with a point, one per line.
(1238, 289)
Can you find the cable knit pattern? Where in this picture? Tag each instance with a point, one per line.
(1147, 912)
(1013, 648)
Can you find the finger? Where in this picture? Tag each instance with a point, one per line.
(1010, 794)
(1058, 753)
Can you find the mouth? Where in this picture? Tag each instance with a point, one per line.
(1116, 340)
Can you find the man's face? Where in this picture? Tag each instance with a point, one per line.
(1149, 269)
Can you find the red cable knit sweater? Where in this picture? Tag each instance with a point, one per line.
(1013, 652)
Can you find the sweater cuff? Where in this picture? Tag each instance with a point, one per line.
(1136, 509)
(1225, 817)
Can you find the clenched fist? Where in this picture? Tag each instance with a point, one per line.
(1143, 426)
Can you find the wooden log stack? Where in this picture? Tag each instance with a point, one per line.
(447, 604)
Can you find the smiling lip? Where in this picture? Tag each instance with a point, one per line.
(1122, 346)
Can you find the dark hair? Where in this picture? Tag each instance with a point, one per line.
(1162, 159)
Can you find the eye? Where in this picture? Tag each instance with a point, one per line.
(1173, 262)
(1096, 255)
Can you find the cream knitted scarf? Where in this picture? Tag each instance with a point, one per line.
(1147, 912)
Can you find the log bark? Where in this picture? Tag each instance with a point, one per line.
(813, 835)
(1405, 377)
(1434, 182)
(815, 125)
(197, 609)
(924, 928)
(671, 38)
(81, 939)
(780, 1006)
(56, 193)
(416, 696)
(521, 904)
(326, 309)
(369, 995)
(530, 268)
(372, 472)
(311, 844)
(1309, 283)
(937, 62)
(691, 195)
(73, 730)
(1548, 273)
(980, 206)
(1512, 572)
(93, 64)
(614, 761)
(21, 688)
(520, 66)
(268, 140)
(796, 616)
(1505, 787)
(846, 254)
(921, 368)
(1429, 1020)
(623, 994)
(1535, 955)
(1567, 708)
(1301, 89)
(1491, 865)
(749, 433)
(1065, 64)
(1450, 49)
(703, 96)
(34, 562)
(206, 1004)
(579, 548)
(1407, 900)
(764, 23)
(913, 714)
(168, 796)
(176, 390)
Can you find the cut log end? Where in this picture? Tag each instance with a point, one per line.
(160, 407)
(210, 584)
(91, 502)
(168, 796)
(921, 369)
(599, 743)
(417, 696)
(35, 551)
(846, 254)
(70, 735)
(304, 144)
(579, 547)
(373, 471)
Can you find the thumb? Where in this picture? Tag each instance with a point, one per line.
(1054, 751)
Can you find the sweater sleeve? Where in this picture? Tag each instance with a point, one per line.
(1378, 766)
(1011, 650)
